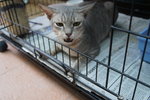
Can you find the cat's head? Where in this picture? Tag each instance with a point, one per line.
(68, 20)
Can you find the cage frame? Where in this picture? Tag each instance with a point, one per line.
(13, 40)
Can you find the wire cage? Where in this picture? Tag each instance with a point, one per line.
(119, 72)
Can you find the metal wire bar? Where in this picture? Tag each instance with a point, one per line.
(29, 38)
(62, 53)
(86, 66)
(16, 16)
(39, 46)
(110, 47)
(35, 5)
(78, 62)
(49, 46)
(13, 17)
(129, 32)
(2, 21)
(26, 39)
(33, 39)
(30, 8)
(96, 71)
(139, 71)
(43, 43)
(69, 58)
(6, 15)
(5, 26)
(126, 48)
(55, 43)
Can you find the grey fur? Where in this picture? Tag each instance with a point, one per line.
(96, 20)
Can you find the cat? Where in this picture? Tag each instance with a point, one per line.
(80, 26)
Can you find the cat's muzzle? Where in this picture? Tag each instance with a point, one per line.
(68, 40)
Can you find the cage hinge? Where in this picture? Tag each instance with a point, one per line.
(37, 54)
(66, 71)
(73, 77)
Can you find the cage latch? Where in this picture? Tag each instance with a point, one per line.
(37, 54)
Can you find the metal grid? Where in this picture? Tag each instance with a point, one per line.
(40, 46)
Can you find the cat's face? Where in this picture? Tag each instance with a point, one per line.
(68, 27)
(67, 21)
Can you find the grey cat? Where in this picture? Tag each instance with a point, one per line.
(81, 26)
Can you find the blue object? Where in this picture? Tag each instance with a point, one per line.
(141, 44)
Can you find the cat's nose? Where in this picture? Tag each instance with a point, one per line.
(68, 34)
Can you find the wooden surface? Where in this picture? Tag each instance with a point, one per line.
(21, 79)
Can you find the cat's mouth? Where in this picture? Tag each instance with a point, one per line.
(68, 40)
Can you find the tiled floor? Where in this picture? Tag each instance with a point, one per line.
(21, 79)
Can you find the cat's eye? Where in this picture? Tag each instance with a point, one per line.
(60, 24)
(76, 23)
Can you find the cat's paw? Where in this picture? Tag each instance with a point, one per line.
(53, 53)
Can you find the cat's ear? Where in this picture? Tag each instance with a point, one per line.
(86, 6)
(49, 11)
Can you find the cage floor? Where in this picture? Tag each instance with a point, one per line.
(118, 51)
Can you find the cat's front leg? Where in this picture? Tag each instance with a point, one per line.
(80, 63)
(52, 52)
(55, 51)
